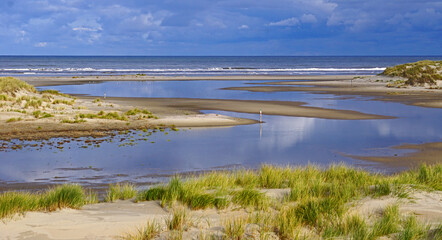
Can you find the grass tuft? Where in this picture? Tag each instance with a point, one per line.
(249, 197)
(412, 230)
(120, 192)
(154, 193)
(64, 196)
(235, 228)
(179, 220)
(388, 223)
(150, 231)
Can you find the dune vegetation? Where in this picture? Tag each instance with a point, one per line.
(417, 73)
(23, 100)
(316, 203)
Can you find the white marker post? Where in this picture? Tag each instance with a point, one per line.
(260, 115)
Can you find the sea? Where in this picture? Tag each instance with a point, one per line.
(199, 66)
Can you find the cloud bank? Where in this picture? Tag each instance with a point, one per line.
(227, 27)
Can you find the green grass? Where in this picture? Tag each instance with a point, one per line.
(150, 231)
(73, 121)
(249, 197)
(120, 192)
(287, 223)
(10, 120)
(65, 196)
(179, 220)
(353, 227)
(413, 230)
(62, 101)
(154, 193)
(102, 115)
(145, 113)
(388, 223)
(10, 85)
(235, 228)
(40, 114)
(55, 92)
(417, 73)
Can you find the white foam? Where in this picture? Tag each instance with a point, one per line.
(179, 70)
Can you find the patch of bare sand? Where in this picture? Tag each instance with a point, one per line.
(375, 86)
(426, 206)
(282, 108)
(429, 153)
(96, 221)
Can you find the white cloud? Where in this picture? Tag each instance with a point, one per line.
(85, 29)
(308, 18)
(41, 44)
(286, 22)
(89, 24)
(243, 27)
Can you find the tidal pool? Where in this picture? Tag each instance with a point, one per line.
(280, 140)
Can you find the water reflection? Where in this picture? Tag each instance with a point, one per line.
(279, 140)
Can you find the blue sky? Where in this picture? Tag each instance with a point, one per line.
(228, 27)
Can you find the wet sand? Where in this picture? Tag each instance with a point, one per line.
(371, 86)
(282, 108)
(171, 111)
(53, 81)
(429, 153)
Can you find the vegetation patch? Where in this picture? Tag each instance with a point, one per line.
(143, 113)
(103, 115)
(417, 73)
(120, 192)
(55, 92)
(317, 206)
(64, 196)
(11, 86)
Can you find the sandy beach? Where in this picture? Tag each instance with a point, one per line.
(115, 220)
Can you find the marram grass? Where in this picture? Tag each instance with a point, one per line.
(316, 204)
(120, 191)
(10, 85)
(64, 196)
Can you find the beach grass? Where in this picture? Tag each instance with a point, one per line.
(249, 197)
(417, 73)
(179, 220)
(388, 223)
(317, 203)
(11, 86)
(120, 191)
(63, 196)
(235, 228)
(413, 230)
(150, 231)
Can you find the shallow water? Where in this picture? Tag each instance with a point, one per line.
(280, 140)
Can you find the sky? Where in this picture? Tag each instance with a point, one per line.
(226, 28)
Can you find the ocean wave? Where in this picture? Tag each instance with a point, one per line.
(184, 70)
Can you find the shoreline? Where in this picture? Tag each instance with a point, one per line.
(340, 85)
(428, 153)
(177, 112)
(371, 86)
(39, 81)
